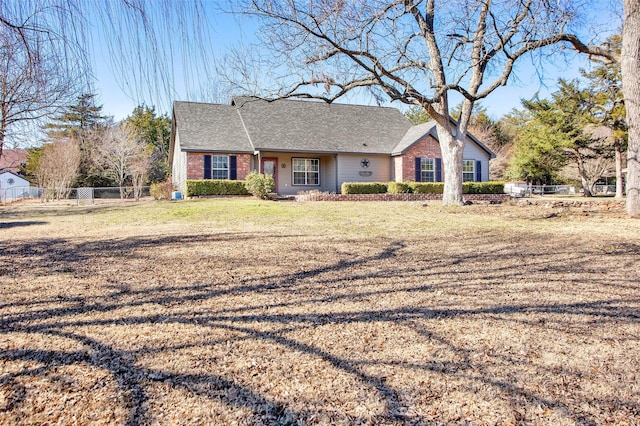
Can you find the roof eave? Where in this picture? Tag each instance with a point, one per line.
(218, 151)
(321, 152)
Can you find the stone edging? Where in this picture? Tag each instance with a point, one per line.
(491, 198)
(601, 204)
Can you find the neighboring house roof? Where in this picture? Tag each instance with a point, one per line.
(252, 124)
(599, 132)
(11, 159)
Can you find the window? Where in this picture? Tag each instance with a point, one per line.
(468, 170)
(306, 171)
(219, 167)
(427, 170)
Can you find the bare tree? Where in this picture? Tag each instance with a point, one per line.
(33, 84)
(415, 52)
(140, 167)
(49, 45)
(591, 164)
(57, 168)
(122, 154)
(41, 64)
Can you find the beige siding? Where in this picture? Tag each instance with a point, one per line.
(285, 174)
(350, 168)
(397, 168)
(179, 167)
(474, 152)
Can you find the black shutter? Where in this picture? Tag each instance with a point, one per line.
(418, 170)
(478, 171)
(438, 169)
(233, 167)
(207, 167)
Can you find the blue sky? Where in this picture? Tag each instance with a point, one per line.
(226, 31)
(117, 101)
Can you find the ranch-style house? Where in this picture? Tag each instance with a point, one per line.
(309, 145)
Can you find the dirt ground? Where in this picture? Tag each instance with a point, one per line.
(248, 312)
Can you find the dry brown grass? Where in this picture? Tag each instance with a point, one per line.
(247, 312)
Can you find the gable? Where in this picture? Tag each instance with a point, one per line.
(10, 180)
(209, 127)
(417, 133)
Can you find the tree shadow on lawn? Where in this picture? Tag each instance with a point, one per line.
(9, 225)
(60, 209)
(196, 306)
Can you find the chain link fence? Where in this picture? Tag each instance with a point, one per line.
(526, 190)
(80, 195)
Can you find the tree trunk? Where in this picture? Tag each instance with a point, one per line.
(586, 185)
(630, 65)
(619, 179)
(452, 152)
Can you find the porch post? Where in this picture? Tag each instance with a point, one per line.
(258, 167)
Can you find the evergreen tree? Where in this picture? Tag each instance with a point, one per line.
(34, 154)
(559, 132)
(606, 83)
(539, 155)
(417, 115)
(155, 132)
(84, 123)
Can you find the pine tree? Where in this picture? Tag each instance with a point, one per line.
(155, 132)
(85, 123)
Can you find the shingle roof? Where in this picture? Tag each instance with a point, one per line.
(11, 159)
(210, 127)
(251, 124)
(297, 125)
(415, 133)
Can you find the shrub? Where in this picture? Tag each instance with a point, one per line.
(427, 187)
(259, 185)
(364, 188)
(215, 187)
(161, 190)
(483, 188)
(399, 188)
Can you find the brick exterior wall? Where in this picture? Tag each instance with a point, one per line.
(195, 165)
(427, 147)
(321, 196)
(244, 165)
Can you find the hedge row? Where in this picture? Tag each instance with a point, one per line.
(483, 188)
(237, 187)
(215, 187)
(419, 188)
(364, 188)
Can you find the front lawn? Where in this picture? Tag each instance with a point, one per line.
(239, 311)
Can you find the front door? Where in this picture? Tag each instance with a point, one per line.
(270, 168)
